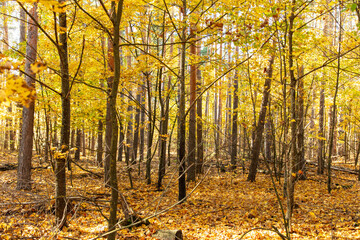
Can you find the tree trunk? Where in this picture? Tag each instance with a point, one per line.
(77, 144)
(199, 127)
(142, 128)
(181, 123)
(150, 132)
(108, 118)
(260, 124)
(191, 158)
(27, 129)
(99, 151)
(234, 134)
(291, 168)
(83, 141)
(60, 198)
(301, 162)
(137, 128)
(116, 14)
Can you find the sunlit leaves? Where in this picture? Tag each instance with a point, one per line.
(17, 90)
(38, 67)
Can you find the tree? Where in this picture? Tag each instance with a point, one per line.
(26, 142)
(255, 151)
(234, 135)
(191, 158)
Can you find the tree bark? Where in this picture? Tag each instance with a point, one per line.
(301, 162)
(27, 129)
(199, 127)
(116, 14)
(234, 134)
(99, 151)
(260, 124)
(60, 198)
(77, 144)
(191, 158)
(181, 123)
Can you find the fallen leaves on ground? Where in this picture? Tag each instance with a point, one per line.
(223, 206)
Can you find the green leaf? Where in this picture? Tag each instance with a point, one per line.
(353, 6)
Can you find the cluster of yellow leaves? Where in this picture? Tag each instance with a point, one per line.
(13, 87)
(17, 90)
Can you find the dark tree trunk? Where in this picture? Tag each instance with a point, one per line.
(151, 125)
(260, 124)
(47, 136)
(100, 149)
(321, 142)
(129, 133)
(12, 132)
(116, 14)
(108, 118)
(162, 137)
(60, 202)
(181, 124)
(72, 138)
(234, 134)
(301, 162)
(121, 142)
(199, 127)
(142, 128)
(191, 158)
(27, 129)
(77, 144)
(83, 142)
(137, 129)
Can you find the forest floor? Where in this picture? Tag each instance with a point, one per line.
(223, 206)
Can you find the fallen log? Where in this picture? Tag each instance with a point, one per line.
(8, 166)
(168, 235)
(341, 169)
(13, 166)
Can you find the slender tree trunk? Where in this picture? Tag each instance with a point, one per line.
(116, 14)
(191, 158)
(60, 202)
(137, 128)
(260, 124)
(321, 142)
(77, 144)
(234, 134)
(83, 141)
(47, 136)
(22, 26)
(291, 170)
(108, 118)
(26, 142)
(100, 149)
(332, 137)
(7, 140)
(12, 133)
(129, 133)
(199, 127)
(301, 163)
(142, 128)
(149, 133)
(163, 138)
(181, 123)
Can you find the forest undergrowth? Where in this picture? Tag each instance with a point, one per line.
(223, 206)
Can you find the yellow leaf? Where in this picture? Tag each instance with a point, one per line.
(38, 67)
